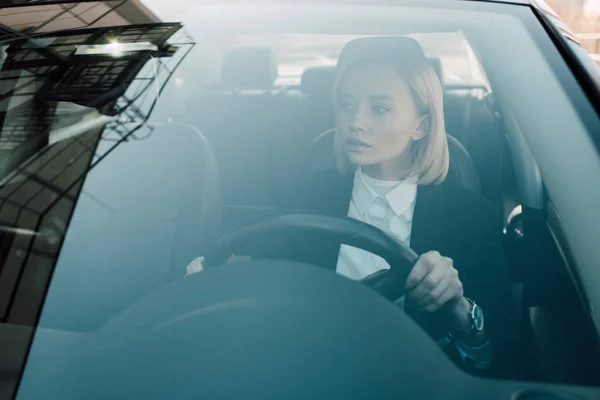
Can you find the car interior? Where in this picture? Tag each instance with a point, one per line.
(234, 141)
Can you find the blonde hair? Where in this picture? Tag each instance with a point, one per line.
(431, 159)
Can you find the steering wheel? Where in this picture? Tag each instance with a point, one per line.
(263, 239)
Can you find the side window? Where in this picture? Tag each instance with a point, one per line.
(586, 60)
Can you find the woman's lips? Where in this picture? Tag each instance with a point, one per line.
(355, 144)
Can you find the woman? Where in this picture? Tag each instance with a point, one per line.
(392, 155)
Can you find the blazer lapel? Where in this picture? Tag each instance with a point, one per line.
(330, 193)
(335, 193)
(336, 201)
(429, 228)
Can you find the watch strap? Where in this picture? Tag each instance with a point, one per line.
(471, 328)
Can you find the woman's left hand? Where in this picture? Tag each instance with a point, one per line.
(434, 283)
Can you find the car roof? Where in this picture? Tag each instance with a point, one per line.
(342, 2)
(528, 2)
(541, 5)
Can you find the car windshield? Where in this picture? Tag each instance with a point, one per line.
(129, 143)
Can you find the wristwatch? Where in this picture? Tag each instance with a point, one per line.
(476, 317)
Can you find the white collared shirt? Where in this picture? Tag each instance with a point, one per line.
(388, 205)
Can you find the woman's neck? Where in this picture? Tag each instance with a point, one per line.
(393, 170)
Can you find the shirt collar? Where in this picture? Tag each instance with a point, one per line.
(399, 198)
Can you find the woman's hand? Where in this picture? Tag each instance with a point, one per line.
(197, 265)
(433, 283)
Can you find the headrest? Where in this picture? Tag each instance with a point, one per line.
(318, 80)
(249, 68)
(437, 66)
(405, 49)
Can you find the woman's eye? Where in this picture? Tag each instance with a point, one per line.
(379, 110)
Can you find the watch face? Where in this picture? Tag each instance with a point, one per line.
(478, 318)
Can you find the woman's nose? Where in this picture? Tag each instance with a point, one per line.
(358, 120)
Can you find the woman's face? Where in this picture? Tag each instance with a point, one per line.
(376, 116)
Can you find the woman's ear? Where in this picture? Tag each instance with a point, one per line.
(423, 125)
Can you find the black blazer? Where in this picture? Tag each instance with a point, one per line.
(458, 224)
